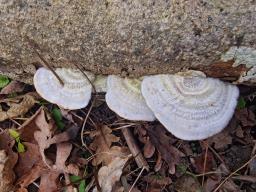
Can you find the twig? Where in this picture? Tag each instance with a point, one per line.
(143, 168)
(90, 109)
(216, 154)
(89, 186)
(33, 45)
(141, 162)
(233, 173)
(205, 160)
(88, 79)
(83, 127)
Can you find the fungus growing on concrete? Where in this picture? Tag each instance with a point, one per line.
(124, 97)
(189, 105)
(74, 94)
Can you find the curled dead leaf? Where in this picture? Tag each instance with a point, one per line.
(149, 149)
(9, 160)
(18, 106)
(110, 174)
(13, 87)
(6, 174)
(103, 139)
(163, 144)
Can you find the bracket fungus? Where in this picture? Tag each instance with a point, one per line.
(189, 105)
(74, 94)
(124, 97)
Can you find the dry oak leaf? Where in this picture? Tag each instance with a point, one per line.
(6, 178)
(28, 159)
(18, 106)
(109, 175)
(101, 144)
(224, 138)
(49, 181)
(13, 87)
(163, 144)
(44, 134)
(6, 144)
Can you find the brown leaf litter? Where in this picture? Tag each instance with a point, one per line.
(156, 182)
(8, 161)
(35, 163)
(18, 106)
(102, 145)
(13, 87)
(163, 143)
(109, 175)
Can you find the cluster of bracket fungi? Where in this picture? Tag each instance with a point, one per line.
(189, 105)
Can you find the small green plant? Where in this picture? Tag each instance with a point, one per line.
(241, 103)
(3, 81)
(56, 114)
(81, 181)
(14, 134)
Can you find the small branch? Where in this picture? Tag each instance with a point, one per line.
(205, 161)
(140, 160)
(34, 46)
(143, 168)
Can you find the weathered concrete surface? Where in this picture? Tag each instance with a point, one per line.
(131, 37)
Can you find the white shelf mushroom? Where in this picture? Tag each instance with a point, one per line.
(190, 106)
(74, 94)
(124, 97)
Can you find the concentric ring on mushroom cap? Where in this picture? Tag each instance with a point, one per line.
(76, 92)
(124, 97)
(191, 108)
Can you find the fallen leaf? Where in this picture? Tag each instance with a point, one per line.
(187, 183)
(246, 117)
(44, 134)
(13, 87)
(6, 144)
(198, 162)
(18, 106)
(49, 176)
(110, 174)
(102, 143)
(28, 128)
(44, 165)
(6, 173)
(236, 156)
(163, 144)
(213, 181)
(149, 149)
(156, 182)
(159, 162)
(28, 159)
(224, 138)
